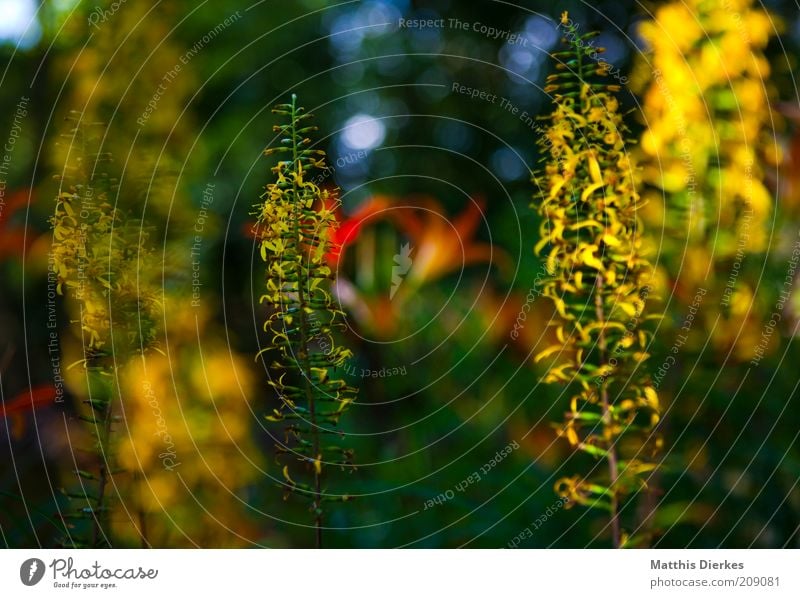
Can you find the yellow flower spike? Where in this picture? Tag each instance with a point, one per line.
(596, 274)
(101, 263)
(724, 118)
(295, 226)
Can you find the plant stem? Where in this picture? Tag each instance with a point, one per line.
(304, 340)
(100, 523)
(613, 469)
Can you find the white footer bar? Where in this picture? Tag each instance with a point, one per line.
(401, 573)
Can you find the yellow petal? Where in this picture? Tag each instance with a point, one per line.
(589, 190)
(594, 170)
(546, 353)
(587, 257)
(286, 475)
(651, 396)
(572, 436)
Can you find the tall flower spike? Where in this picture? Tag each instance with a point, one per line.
(706, 103)
(598, 282)
(97, 258)
(295, 228)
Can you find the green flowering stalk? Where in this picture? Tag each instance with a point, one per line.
(598, 283)
(98, 257)
(706, 93)
(296, 221)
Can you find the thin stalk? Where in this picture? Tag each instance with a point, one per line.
(304, 340)
(98, 523)
(613, 468)
(141, 515)
(100, 526)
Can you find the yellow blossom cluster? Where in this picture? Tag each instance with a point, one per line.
(591, 240)
(97, 256)
(296, 222)
(149, 125)
(703, 153)
(186, 444)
